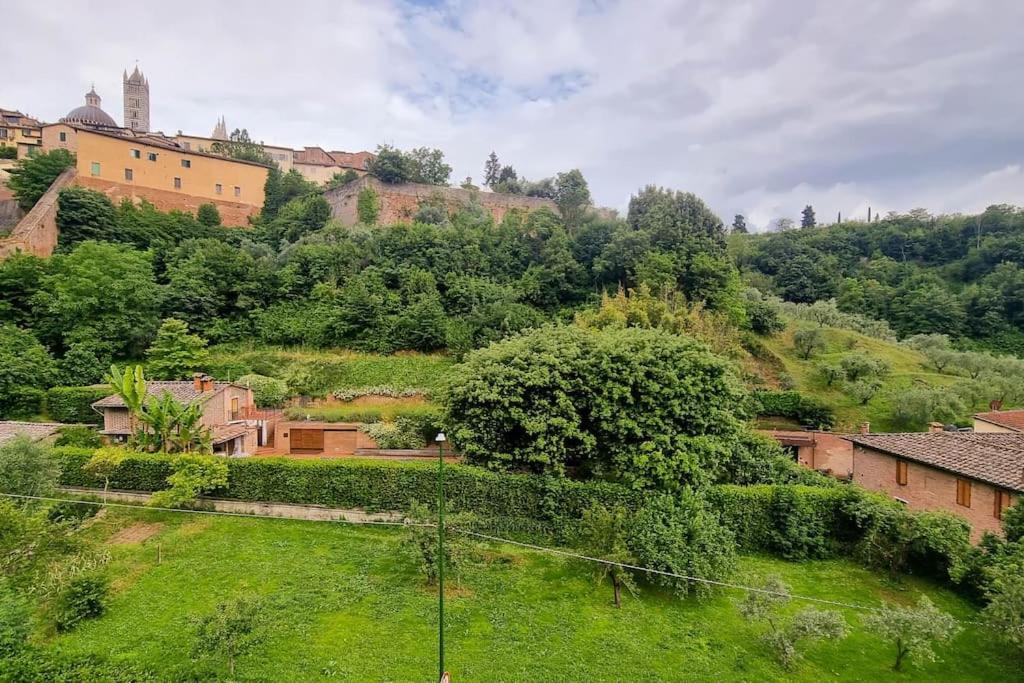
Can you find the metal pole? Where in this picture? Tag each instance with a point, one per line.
(440, 558)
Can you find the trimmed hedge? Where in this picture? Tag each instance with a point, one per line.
(23, 403)
(74, 404)
(793, 405)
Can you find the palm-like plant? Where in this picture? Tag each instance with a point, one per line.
(130, 385)
(164, 424)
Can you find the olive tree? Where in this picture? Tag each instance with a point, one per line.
(231, 631)
(604, 535)
(912, 630)
(808, 342)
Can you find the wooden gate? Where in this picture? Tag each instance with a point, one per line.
(307, 439)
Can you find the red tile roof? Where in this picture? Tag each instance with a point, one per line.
(34, 430)
(992, 457)
(222, 433)
(183, 392)
(1011, 419)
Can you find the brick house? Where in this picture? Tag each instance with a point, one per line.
(226, 411)
(817, 450)
(973, 475)
(999, 421)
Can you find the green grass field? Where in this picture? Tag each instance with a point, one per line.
(348, 604)
(908, 367)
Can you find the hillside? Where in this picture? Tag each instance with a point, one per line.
(908, 368)
(349, 603)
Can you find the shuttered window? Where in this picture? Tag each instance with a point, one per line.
(901, 472)
(963, 492)
(1002, 501)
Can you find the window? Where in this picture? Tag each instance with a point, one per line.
(3, 133)
(27, 132)
(177, 183)
(238, 191)
(128, 175)
(187, 145)
(135, 154)
(95, 168)
(218, 188)
(152, 156)
(63, 136)
(1002, 501)
(186, 163)
(963, 492)
(234, 408)
(901, 472)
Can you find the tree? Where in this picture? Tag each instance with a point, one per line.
(421, 543)
(913, 630)
(84, 214)
(915, 407)
(830, 373)
(427, 166)
(208, 215)
(193, 476)
(491, 170)
(103, 463)
(175, 354)
(863, 390)
(572, 196)
(33, 175)
(554, 397)
(240, 146)
(677, 222)
(1005, 610)
(340, 178)
(739, 224)
(783, 224)
(268, 392)
(604, 535)
(231, 631)
(785, 637)
(24, 362)
(808, 342)
(168, 426)
(807, 219)
(27, 468)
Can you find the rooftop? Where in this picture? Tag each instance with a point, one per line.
(1011, 419)
(35, 430)
(184, 392)
(991, 457)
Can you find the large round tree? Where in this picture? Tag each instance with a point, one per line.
(640, 406)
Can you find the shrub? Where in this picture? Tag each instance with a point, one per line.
(23, 403)
(78, 435)
(27, 468)
(71, 512)
(808, 342)
(192, 476)
(679, 535)
(74, 404)
(268, 392)
(391, 435)
(208, 215)
(85, 597)
(368, 206)
(33, 175)
(1005, 610)
(793, 405)
(15, 621)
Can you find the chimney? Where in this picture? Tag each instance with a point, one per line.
(935, 427)
(865, 427)
(207, 383)
(995, 405)
(197, 381)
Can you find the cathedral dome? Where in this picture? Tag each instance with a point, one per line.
(90, 113)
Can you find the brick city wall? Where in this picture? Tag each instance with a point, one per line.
(232, 214)
(36, 233)
(399, 203)
(927, 488)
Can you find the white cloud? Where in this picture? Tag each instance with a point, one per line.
(759, 107)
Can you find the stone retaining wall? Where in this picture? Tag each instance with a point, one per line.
(36, 233)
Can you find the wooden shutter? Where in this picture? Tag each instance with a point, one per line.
(963, 492)
(307, 439)
(901, 472)
(1002, 501)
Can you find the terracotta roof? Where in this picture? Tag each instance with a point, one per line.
(222, 433)
(992, 457)
(1011, 419)
(183, 392)
(35, 430)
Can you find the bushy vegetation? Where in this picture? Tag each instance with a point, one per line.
(33, 175)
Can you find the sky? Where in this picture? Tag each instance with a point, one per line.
(758, 107)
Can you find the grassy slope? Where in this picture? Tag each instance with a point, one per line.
(349, 605)
(908, 367)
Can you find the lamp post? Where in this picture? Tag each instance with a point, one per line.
(440, 439)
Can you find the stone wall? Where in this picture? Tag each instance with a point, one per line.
(232, 214)
(399, 203)
(36, 233)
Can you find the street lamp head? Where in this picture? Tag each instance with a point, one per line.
(440, 438)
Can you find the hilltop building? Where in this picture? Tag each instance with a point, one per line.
(136, 101)
(91, 114)
(220, 131)
(20, 131)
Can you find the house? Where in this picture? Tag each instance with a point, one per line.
(320, 439)
(22, 132)
(817, 450)
(999, 421)
(227, 408)
(973, 475)
(147, 166)
(37, 431)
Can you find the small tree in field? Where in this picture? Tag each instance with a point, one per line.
(1005, 610)
(175, 353)
(831, 373)
(103, 463)
(785, 637)
(913, 630)
(231, 631)
(808, 342)
(422, 544)
(604, 535)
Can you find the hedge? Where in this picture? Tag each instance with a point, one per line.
(793, 405)
(74, 404)
(22, 403)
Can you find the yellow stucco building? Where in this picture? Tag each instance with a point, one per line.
(165, 175)
(22, 132)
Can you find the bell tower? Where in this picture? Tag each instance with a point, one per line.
(136, 101)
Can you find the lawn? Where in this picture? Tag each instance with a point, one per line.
(908, 368)
(348, 604)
